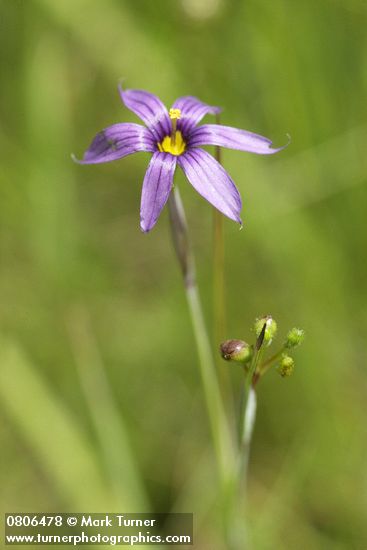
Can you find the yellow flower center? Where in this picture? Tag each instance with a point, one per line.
(173, 144)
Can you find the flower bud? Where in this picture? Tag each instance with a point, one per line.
(236, 350)
(270, 329)
(286, 366)
(295, 337)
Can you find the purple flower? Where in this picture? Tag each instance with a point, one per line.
(174, 138)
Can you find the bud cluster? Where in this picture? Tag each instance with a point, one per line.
(251, 356)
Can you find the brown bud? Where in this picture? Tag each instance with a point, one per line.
(236, 350)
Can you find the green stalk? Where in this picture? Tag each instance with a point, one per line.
(218, 423)
(269, 362)
(248, 412)
(248, 416)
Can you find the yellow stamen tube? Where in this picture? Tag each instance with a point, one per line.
(174, 115)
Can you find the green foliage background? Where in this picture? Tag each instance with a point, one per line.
(98, 372)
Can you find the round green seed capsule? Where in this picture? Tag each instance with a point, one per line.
(286, 366)
(295, 337)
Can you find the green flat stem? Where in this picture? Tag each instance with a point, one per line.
(221, 434)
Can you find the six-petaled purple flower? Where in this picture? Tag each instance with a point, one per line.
(174, 138)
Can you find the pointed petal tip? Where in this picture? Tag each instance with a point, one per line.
(233, 138)
(278, 149)
(271, 150)
(120, 84)
(121, 88)
(74, 159)
(144, 228)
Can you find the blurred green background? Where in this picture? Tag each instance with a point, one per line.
(98, 371)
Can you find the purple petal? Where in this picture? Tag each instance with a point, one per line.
(150, 109)
(157, 185)
(210, 179)
(232, 138)
(192, 111)
(117, 141)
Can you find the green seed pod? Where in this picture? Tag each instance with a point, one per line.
(270, 329)
(286, 366)
(236, 350)
(295, 337)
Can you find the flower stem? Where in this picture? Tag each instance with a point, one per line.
(269, 362)
(247, 423)
(248, 413)
(219, 427)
